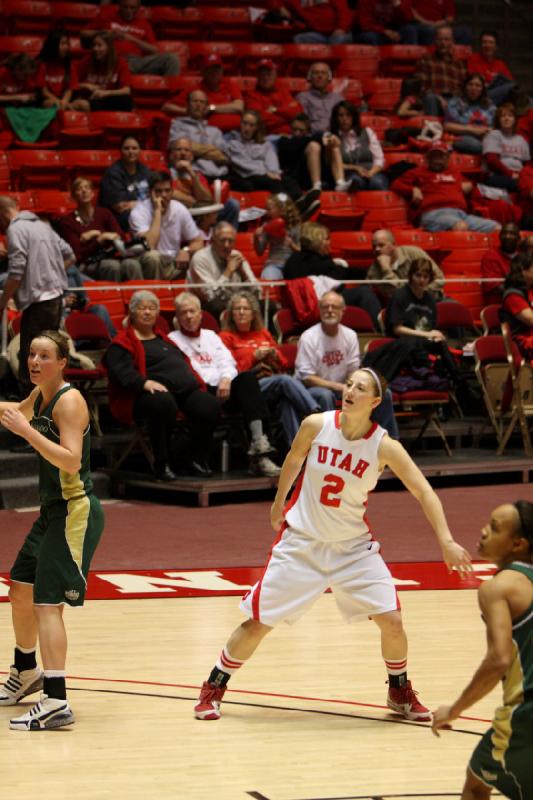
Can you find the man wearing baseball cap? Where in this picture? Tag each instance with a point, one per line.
(276, 105)
(437, 194)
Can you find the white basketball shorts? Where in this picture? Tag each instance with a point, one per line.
(301, 568)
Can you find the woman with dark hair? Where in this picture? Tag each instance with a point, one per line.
(125, 182)
(52, 566)
(55, 70)
(518, 303)
(254, 163)
(360, 151)
(504, 151)
(102, 79)
(470, 116)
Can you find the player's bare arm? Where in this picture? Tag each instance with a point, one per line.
(24, 406)
(493, 599)
(394, 455)
(292, 465)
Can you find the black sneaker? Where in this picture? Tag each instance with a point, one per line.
(308, 203)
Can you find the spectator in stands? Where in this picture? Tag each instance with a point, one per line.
(327, 353)
(125, 182)
(442, 74)
(168, 229)
(190, 186)
(208, 143)
(438, 194)
(392, 262)
(253, 161)
(276, 105)
(429, 14)
(223, 95)
(496, 263)
(253, 348)
(525, 196)
(300, 154)
(504, 151)
(387, 22)
(411, 103)
(134, 38)
(327, 22)
(218, 265)
(470, 116)
(236, 391)
(55, 70)
(19, 81)
(319, 100)
(314, 261)
(280, 233)
(412, 312)
(518, 304)
(361, 155)
(36, 278)
(150, 379)
(101, 81)
(93, 232)
(495, 73)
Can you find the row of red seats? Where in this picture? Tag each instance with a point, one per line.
(346, 60)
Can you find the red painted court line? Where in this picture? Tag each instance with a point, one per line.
(245, 691)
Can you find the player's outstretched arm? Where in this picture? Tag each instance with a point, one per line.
(494, 605)
(292, 465)
(24, 406)
(394, 455)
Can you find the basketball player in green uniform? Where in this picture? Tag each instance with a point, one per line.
(52, 566)
(503, 759)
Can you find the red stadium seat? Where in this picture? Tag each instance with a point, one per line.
(149, 91)
(10, 45)
(178, 23)
(199, 51)
(154, 159)
(89, 164)
(37, 168)
(248, 54)
(116, 124)
(490, 319)
(72, 17)
(349, 88)
(5, 173)
(378, 124)
(227, 23)
(398, 60)
(356, 60)
(300, 57)
(27, 17)
(52, 202)
(382, 94)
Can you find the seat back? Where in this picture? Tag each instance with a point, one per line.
(490, 319)
(286, 326)
(521, 374)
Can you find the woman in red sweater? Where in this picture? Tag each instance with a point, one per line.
(253, 348)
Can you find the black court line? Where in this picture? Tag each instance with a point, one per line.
(258, 796)
(274, 707)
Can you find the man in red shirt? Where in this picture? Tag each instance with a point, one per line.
(496, 263)
(277, 106)
(384, 22)
(494, 72)
(134, 38)
(326, 21)
(437, 195)
(429, 14)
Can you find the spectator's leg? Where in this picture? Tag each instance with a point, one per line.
(203, 411)
(99, 310)
(384, 416)
(131, 270)
(110, 269)
(292, 399)
(370, 37)
(378, 182)
(325, 399)
(425, 34)
(408, 33)
(313, 153)
(500, 89)
(156, 64)
(501, 182)
(468, 144)
(442, 219)
(431, 104)
(230, 212)
(151, 263)
(340, 38)
(272, 273)
(158, 411)
(462, 34)
(480, 224)
(311, 37)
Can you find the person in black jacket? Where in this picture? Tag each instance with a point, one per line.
(125, 181)
(314, 259)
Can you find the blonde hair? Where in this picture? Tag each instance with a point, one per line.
(312, 235)
(286, 209)
(257, 319)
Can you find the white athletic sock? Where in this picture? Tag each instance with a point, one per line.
(226, 663)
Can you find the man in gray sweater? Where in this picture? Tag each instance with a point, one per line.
(36, 277)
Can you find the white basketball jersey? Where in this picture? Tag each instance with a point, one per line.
(329, 500)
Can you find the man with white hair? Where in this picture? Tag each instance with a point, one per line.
(327, 353)
(318, 101)
(237, 391)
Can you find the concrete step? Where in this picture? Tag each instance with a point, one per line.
(23, 492)
(18, 465)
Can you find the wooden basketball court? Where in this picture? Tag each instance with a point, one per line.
(305, 719)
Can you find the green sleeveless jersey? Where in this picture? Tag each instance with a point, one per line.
(518, 681)
(54, 483)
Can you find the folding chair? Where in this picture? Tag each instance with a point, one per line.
(286, 326)
(522, 382)
(360, 321)
(490, 319)
(456, 315)
(423, 403)
(493, 375)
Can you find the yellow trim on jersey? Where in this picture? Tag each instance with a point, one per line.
(78, 511)
(71, 484)
(513, 682)
(501, 735)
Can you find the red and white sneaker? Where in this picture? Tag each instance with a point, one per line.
(208, 705)
(405, 702)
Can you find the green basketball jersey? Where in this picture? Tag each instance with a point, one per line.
(518, 681)
(54, 483)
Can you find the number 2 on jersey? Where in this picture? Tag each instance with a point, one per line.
(333, 485)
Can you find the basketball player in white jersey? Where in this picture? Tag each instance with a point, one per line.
(324, 541)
